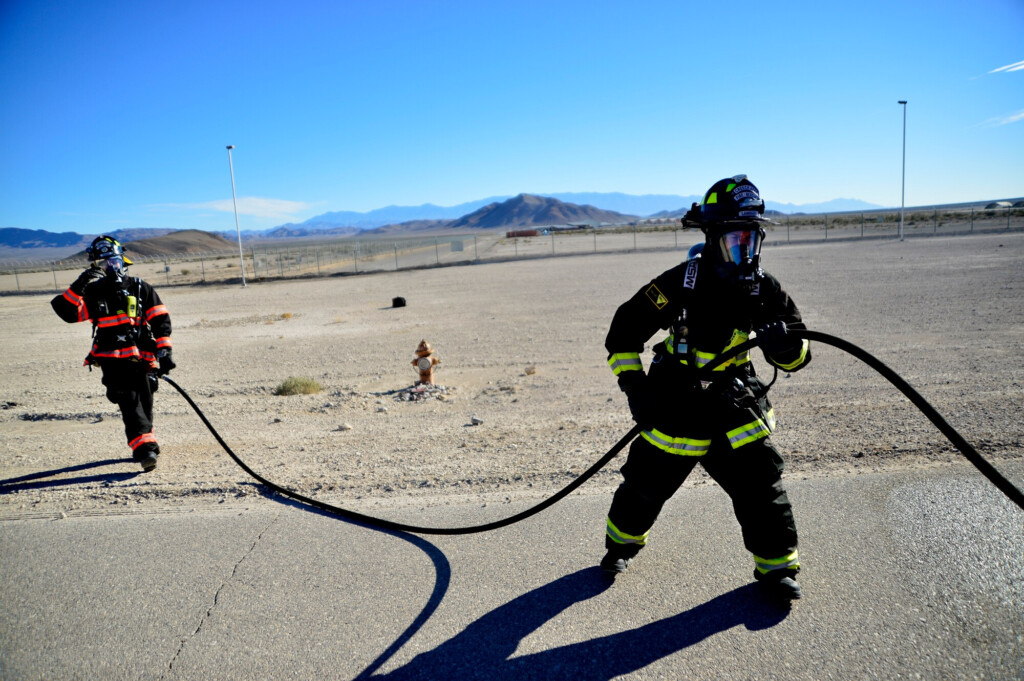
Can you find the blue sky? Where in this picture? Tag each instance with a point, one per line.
(116, 114)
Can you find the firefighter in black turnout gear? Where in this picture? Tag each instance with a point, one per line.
(710, 303)
(131, 339)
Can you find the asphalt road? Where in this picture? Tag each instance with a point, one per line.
(906, 575)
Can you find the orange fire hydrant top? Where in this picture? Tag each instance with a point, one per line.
(425, 362)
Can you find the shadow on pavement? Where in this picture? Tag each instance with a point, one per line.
(442, 576)
(483, 649)
(34, 481)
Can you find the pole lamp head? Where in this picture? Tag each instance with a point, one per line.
(902, 101)
(232, 146)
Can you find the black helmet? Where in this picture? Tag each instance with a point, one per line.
(731, 215)
(729, 200)
(106, 247)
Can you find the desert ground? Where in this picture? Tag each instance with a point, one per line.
(529, 401)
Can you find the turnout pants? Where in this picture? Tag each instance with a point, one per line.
(729, 438)
(128, 386)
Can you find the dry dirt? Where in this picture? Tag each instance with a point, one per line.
(522, 353)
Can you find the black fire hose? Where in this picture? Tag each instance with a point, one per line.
(987, 469)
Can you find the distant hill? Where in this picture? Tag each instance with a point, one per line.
(13, 237)
(833, 206)
(412, 226)
(647, 205)
(389, 215)
(294, 231)
(528, 210)
(179, 243)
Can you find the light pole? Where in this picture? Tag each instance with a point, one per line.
(234, 200)
(903, 181)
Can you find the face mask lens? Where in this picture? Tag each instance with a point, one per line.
(114, 266)
(739, 247)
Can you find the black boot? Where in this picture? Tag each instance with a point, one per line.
(613, 564)
(618, 558)
(148, 458)
(780, 584)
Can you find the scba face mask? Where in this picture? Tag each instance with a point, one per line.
(739, 247)
(114, 267)
(739, 254)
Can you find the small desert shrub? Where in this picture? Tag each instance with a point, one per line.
(286, 315)
(298, 385)
(186, 272)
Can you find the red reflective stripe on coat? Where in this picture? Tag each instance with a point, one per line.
(118, 320)
(164, 342)
(156, 311)
(120, 353)
(76, 300)
(146, 438)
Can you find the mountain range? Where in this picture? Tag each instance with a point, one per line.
(523, 210)
(646, 205)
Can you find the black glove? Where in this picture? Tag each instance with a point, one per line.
(642, 404)
(166, 363)
(88, 276)
(774, 339)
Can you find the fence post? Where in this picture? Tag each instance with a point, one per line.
(396, 256)
(972, 218)
(515, 242)
(167, 271)
(316, 254)
(437, 253)
(826, 226)
(202, 267)
(355, 259)
(17, 282)
(1008, 217)
(54, 273)
(476, 253)
(595, 241)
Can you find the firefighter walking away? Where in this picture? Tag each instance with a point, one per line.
(131, 339)
(715, 300)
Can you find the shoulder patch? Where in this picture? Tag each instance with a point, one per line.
(655, 295)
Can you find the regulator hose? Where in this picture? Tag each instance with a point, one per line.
(987, 469)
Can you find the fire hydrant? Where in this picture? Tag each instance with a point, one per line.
(425, 362)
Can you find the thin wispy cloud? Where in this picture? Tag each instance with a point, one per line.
(1019, 66)
(1004, 120)
(253, 206)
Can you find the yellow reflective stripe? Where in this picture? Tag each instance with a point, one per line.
(787, 562)
(625, 361)
(738, 337)
(805, 345)
(755, 430)
(681, 446)
(729, 187)
(712, 198)
(620, 537)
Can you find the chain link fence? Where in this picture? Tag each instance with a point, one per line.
(265, 261)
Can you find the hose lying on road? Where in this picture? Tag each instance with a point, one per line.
(987, 469)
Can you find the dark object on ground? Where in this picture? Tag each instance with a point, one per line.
(398, 302)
